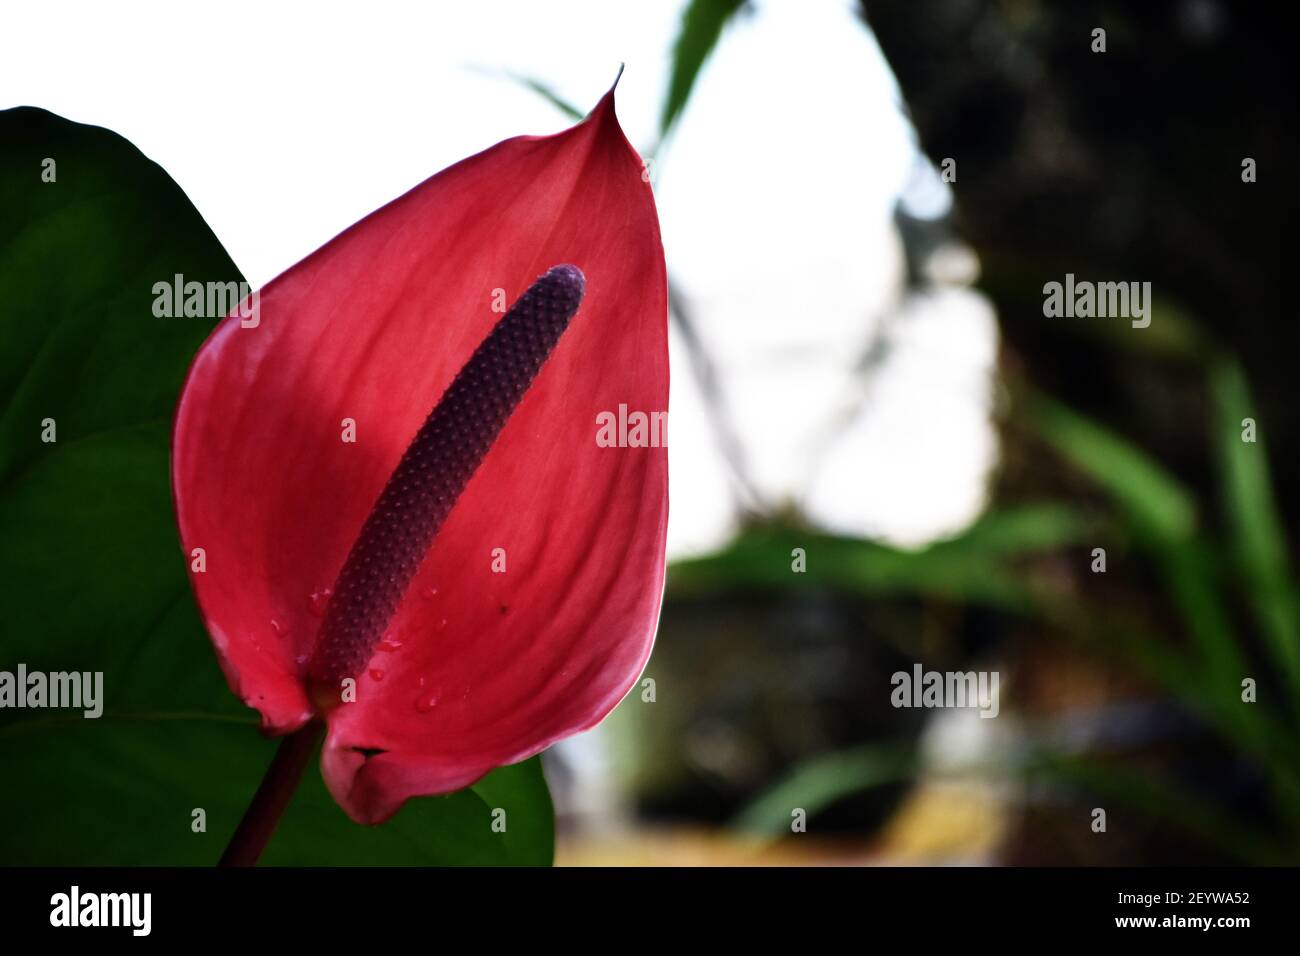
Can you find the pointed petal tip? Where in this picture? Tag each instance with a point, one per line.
(606, 103)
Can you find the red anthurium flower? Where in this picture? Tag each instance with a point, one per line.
(456, 590)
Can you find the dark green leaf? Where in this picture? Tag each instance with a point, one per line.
(123, 791)
(91, 573)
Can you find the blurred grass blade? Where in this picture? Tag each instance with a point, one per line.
(1258, 544)
(760, 559)
(975, 566)
(1022, 529)
(702, 25)
(1163, 513)
(822, 781)
(1192, 578)
(547, 92)
(1161, 508)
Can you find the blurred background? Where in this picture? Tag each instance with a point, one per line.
(861, 204)
(867, 355)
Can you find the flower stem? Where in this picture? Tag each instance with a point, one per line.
(274, 794)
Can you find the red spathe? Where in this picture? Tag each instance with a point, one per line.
(480, 668)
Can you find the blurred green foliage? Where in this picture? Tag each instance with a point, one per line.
(1223, 601)
(1223, 586)
(702, 26)
(980, 566)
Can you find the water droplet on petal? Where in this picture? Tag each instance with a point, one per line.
(376, 674)
(389, 645)
(279, 629)
(426, 703)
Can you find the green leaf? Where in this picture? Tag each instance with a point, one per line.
(1157, 504)
(123, 791)
(822, 781)
(1258, 543)
(974, 566)
(454, 830)
(80, 256)
(91, 573)
(1022, 529)
(1163, 513)
(702, 25)
(1194, 582)
(761, 560)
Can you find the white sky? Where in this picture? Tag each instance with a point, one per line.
(286, 122)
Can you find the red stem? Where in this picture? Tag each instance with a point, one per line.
(277, 789)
